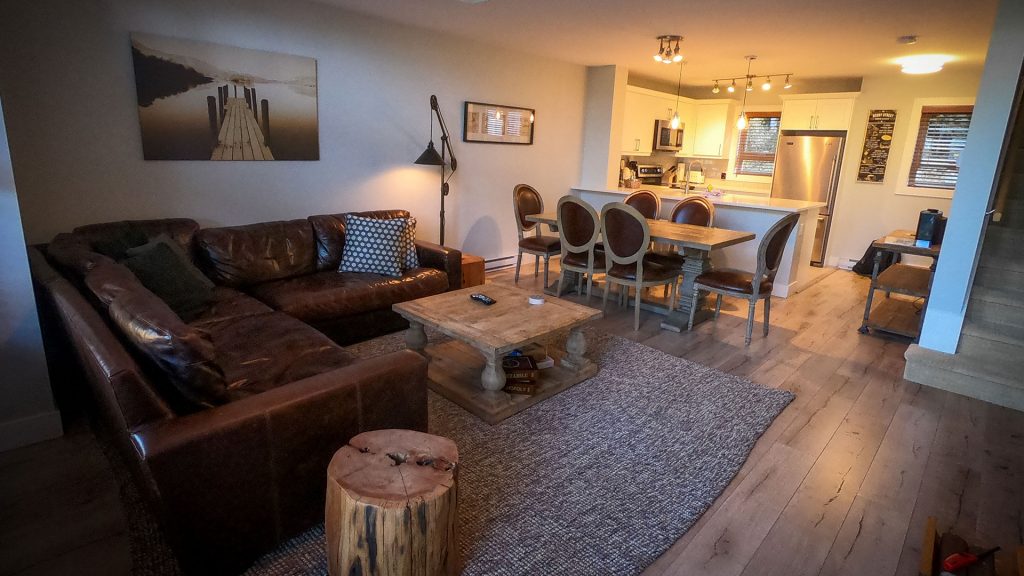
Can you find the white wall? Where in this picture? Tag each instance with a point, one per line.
(27, 413)
(66, 71)
(979, 169)
(866, 211)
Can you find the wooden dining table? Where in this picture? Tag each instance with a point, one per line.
(694, 242)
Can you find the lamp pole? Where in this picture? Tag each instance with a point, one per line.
(430, 156)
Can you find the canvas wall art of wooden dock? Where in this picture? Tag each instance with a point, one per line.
(240, 136)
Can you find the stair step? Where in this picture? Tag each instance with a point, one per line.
(996, 351)
(998, 382)
(997, 277)
(995, 312)
(1001, 296)
(1007, 333)
(1003, 243)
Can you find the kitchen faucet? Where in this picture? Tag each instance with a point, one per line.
(688, 170)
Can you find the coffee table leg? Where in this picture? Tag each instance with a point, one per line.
(575, 347)
(415, 337)
(493, 376)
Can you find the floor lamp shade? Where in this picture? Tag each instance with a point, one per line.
(430, 157)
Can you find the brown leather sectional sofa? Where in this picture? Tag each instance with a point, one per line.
(232, 480)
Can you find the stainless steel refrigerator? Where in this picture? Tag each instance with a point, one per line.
(807, 165)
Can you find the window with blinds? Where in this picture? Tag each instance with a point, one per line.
(755, 151)
(941, 137)
(501, 123)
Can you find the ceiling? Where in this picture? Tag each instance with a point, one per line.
(811, 38)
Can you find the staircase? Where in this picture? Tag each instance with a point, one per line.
(989, 363)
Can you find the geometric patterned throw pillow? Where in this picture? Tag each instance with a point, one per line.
(374, 245)
(412, 260)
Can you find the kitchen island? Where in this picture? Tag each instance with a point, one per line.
(742, 212)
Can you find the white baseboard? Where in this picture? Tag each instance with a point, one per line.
(29, 430)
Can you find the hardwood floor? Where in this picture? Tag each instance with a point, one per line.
(841, 483)
(845, 478)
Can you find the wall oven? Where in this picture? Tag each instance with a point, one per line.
(666, 137)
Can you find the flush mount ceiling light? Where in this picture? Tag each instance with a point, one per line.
(749, 80)
(923, 63)
(667, 53)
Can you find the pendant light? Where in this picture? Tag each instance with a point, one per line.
(732, 87)
(741, 120)
(679, 83)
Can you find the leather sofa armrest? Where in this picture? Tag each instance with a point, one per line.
(447, 260)
(236, 479)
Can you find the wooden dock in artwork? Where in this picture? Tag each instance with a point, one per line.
(240, 137)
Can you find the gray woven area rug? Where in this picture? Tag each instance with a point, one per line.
(600, 479)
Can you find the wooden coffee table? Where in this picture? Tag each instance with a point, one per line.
(467, 369)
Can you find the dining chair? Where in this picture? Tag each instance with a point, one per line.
(579, 227)
(746, 285)
(696, 210)
(646, 202)
(527, 201)
(627, 239)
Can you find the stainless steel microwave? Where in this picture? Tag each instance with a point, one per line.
(666, 137)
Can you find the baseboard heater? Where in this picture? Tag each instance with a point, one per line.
(500, 263)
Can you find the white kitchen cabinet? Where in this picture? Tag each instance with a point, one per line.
(834, 114)
(638, 124)
(816, 113)
(712, 129)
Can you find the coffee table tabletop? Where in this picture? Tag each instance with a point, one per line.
(468, 369)
(510, 323)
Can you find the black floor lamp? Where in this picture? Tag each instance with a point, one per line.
(430, 157)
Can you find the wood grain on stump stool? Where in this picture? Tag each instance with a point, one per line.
(391, 504)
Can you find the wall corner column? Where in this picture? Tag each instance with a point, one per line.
(602, 126)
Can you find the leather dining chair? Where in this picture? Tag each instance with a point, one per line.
(696, 210)
(646, 202)
(579, 227)
(527, 201)
(627, 239)
(746, 285)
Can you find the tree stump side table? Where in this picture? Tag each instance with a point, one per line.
(391, 504)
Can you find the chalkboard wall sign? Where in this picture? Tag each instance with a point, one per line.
(877, 141)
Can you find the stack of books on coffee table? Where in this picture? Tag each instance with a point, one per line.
(522, 369)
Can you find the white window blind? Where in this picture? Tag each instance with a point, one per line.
(755, 152)
(941, 137)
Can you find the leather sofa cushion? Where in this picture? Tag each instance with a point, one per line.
(330, 234)
(733, 280)
(74, 254)
(115, 238)
(263, 351)
(326, 295)
(246, 255)
(184, 354)
(229, 303)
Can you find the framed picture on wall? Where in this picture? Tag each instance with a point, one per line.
(204, 101)
(495, 124)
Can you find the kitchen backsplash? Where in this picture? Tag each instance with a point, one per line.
(713, 167)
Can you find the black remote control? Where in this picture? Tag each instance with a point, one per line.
(482, 298)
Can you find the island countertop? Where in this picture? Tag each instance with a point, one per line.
(734, 200)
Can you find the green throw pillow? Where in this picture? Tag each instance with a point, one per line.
(169, 274)
(119, 241)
